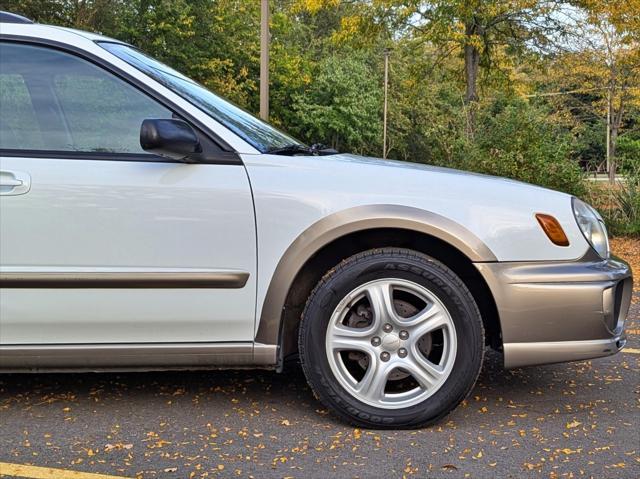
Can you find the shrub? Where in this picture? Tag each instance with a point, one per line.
(619, 204)
(518, 140)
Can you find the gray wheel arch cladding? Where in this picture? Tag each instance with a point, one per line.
(339, 224)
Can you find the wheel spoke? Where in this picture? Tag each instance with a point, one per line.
(372, 385)
(344, 338)
(426, 373)
(431, 320)
(381, 299)
(430, 311)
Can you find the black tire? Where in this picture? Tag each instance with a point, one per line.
(398, 264)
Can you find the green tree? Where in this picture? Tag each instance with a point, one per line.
(341, 107)
(93, 15)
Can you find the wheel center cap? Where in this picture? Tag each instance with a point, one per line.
(391, 342)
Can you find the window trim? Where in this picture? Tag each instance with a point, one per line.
(218, 158)
(232, 127)
(227, 155)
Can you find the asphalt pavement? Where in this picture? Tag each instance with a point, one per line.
(566, 420)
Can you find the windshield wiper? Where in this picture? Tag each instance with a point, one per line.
(291, 149)
(298, 148)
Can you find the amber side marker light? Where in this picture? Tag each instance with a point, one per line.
(553, 229)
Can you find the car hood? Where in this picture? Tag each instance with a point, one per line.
(451, 174)
(500, 212)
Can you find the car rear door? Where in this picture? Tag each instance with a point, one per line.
(101, 242)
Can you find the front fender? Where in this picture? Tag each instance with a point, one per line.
(351, 220)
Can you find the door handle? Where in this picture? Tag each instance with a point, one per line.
(11, 182)
(14, 182)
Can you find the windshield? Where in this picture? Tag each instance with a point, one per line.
(256, 132)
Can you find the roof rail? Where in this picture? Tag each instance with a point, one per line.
(7, 17)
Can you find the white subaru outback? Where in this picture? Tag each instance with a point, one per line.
(146, 223)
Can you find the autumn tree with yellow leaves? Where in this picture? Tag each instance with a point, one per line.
(607, 60)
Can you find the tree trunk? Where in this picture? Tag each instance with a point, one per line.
(471, 67)
(471, 70)
(614, 122)
(613, 139)
(612, 153)
(471, 61)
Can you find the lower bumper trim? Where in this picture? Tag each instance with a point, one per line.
(531, 354)
(134, 357)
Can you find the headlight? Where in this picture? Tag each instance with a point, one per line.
(592, 227)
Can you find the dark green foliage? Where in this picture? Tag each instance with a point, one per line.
(518, 140)
(342, 106)
(628, 151)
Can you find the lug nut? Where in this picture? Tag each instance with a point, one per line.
(375, 341)
(404, 335)
(402, 353)
(385, 356)
(387, 328)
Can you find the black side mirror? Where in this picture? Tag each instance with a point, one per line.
(171, 138)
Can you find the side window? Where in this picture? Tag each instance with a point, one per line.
(18, 124)
(52, 100)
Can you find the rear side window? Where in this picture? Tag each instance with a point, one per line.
(52, 100)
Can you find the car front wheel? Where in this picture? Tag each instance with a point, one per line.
(391, 338)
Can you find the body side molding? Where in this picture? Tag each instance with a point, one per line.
(56, 278)
(352, 220)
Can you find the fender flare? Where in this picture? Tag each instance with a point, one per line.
(339, 224)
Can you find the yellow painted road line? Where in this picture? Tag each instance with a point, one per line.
(631, 351)
(34, 472)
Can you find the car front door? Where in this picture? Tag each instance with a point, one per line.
(101, 242)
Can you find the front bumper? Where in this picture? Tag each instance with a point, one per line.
(560, 311)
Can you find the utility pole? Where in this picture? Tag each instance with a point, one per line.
(609, 134)
(384, 114)
(264, 60)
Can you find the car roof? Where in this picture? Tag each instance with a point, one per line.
(88, 35)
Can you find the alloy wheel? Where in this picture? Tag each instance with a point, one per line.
(391, 343)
